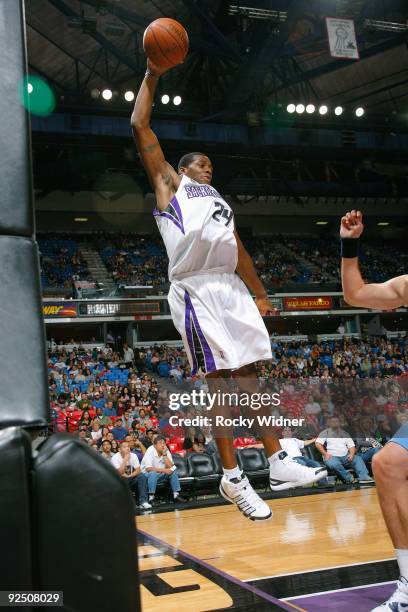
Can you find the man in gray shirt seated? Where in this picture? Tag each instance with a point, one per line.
(339, 453)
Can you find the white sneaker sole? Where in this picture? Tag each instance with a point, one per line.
(299, 483)
(251, 517)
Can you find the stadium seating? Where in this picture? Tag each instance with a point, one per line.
(132, 259)
(255, 465)
(60, 261)
(204, 471)
(183, 471)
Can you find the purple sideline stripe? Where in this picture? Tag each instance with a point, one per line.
(178, 221)
(215, 570)
(208, 356)
(363, 599)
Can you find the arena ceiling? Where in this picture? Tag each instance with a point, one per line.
(237, 63)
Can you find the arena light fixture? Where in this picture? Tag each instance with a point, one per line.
(29, 88)
(107, 94)
(95, 93)
(385, 26)
(165, 99)
(291, 108)
(322, 222)
(300, 108)
(310, 108)
(257, 13)
(129, 96)
(323, 110)
(359, 111)
(383, 223)
(177, 100)
(81, 219)
(338, 111)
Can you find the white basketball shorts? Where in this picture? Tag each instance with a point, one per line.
(218, 321)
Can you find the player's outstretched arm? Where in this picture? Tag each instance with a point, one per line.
(162, 176)
(246, 270)
(384, 296)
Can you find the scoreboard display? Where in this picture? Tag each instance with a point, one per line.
(117, 309)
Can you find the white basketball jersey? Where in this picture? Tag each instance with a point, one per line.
(197, 228)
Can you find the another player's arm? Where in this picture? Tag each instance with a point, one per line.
(163, 178)
(391, 294)
(246, 270)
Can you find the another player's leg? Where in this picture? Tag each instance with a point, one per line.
(284, 472)
(390, 468)
(235, 486)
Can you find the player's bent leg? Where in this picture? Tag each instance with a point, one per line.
(234, 486)
(390, 469)
(218, 384)
(284, 472)
(240, 492)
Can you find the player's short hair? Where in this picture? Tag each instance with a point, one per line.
(188, 159)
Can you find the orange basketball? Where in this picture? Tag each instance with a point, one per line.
(165, 42)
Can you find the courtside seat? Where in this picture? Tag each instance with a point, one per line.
(255, 465)
(204, 472)
(183, 471)
(217, 462)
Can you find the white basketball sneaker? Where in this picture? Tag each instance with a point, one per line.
(398, 602)
(285, 473)
(239, 491)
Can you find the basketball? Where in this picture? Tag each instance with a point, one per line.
(165, 42)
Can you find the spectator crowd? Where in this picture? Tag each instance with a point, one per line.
(131, 259)
(112, 401)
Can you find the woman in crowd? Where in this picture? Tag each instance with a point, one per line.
(85, 420)
(144, 419)
(114, 446)
(199, 445)
(124, 396)
(189, 440)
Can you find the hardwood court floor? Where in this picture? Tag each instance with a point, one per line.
(306, 533)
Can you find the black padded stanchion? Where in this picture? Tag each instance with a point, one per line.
(85, 529)
(15, 528)
(23, 374)
(16, 198)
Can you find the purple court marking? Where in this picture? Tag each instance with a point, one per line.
(360, 599)
(215, 570)
(208, 356)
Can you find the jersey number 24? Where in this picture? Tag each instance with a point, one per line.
(224, 212)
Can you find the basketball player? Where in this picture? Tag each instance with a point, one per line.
(209, 302)
(390, 465)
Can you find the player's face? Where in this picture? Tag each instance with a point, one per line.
(200, 170)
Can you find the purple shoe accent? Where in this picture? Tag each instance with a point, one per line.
(208, 356)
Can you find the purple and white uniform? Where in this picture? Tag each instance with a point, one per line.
(211, 307)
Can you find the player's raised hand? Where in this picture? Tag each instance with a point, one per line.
(154, 69)
(265, 306)
(351, 225)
